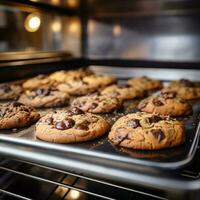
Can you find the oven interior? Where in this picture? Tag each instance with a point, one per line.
(131, 35)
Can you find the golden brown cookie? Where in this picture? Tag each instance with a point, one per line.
(185, 89)
(99, 80)
(64, 75)
(9, 91)
(123, 92)
(17, 115)
(145, 83)
(97, 103)
(70, 126)
(44, 97)
(147, 132)
(77, 87)
(35, 82)
(166, 103)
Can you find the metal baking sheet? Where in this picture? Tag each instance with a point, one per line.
(173, 158)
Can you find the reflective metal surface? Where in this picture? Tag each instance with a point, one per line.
(161, 38)
(38, 31)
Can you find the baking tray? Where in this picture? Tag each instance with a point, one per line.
(173, 158)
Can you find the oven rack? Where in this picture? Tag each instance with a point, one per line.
(156, 186)
(67, 183)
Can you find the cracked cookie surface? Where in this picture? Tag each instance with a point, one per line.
(185, 89)
(96, 103)
(38, 81)
(17, 115)
(166, 103)
(147, 132)
(64, 75)
(9, 91)
(70, 126)
(44, 97)
(123, 92)
(145, 83)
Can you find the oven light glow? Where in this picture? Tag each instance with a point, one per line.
(73, 3)
(74, 194)
(56, 2)
(117, 30)
(56, 26)
(91, 26)
(74, 27)
(32, 22)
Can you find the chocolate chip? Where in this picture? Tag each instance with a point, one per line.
(119, 136)
(94, 105)
(85, 83)
(23, 108)
(83, 126)
(3, 111)
(69, 123)
(134, 123)
(49, 121)
(186, 83)
(142, 104)
(154, 119)
(43, 91)
(158, 134)
(157, 102)
(169, 95)
(16, 104)
(76, 111)
(60, 125)
(5, 88)
(121, 86)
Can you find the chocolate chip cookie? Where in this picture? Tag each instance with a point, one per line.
(147, 132)
(17, 115)
(166, 103)
(145, 83)
(35, 82)
(70, 126)
(185, 89)
(123, 92)
(44, 97)
(9, 91)
(99, 80)
(77, 87)
(64, 75)
(97, 103)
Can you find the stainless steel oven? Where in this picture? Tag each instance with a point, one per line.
(157, 38)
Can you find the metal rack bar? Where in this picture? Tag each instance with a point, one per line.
(13, 194)
(55, 183)
(95, 180)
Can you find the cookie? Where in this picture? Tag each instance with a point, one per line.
(44, 97)
(184, 88)
(123, 92)
(63, 75)
(99, 80)
(97, 103)
(167, 103)
(77, 87)
(147, 132)
(17, 115)
(70, 126)
(9, 91)
(145, 83)
(38, 81)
